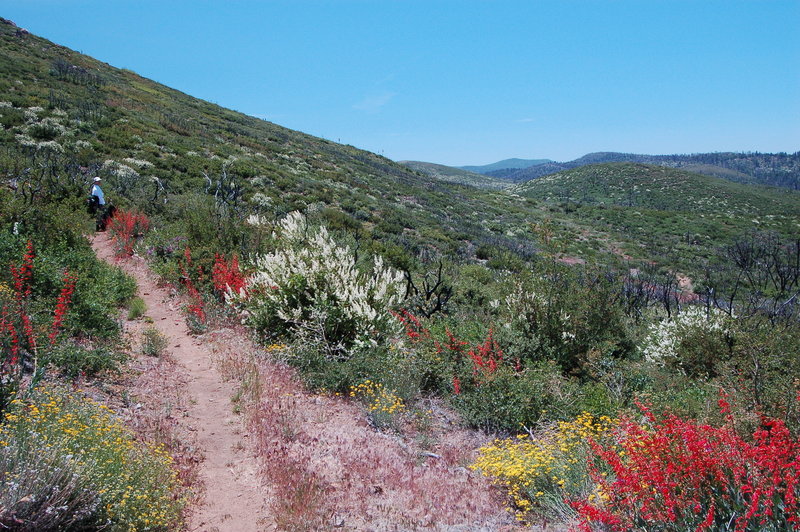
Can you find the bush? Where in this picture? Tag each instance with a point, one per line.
(383, 405)
(74, 360)
(542, 470)
(153, 342)
(507, 400)
(136, 308)
(67, 463)
(669, 473)
(312, 288)
(694, 341)
(564, 315)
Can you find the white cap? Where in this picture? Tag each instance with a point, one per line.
(96, 179)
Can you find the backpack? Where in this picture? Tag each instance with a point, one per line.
(92, 204)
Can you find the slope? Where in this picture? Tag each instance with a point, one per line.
(66, 117)
(776, 169)
(65, 114)
(454, 175)
(664, 214)
(505, 164)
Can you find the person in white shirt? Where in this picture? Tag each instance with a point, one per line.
(99, 205)
(98, 192)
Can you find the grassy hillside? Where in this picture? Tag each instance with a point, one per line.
(775, 169)
(564, 298)
(174, 155)
(652, 212)
(505, 164)
(455, 175)
(153, 144)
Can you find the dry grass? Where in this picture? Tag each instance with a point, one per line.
(327, 468)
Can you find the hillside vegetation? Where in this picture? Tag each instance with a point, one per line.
(775, 169)
(455, 175)
(657, 213)
(569, 308)
(505, 164)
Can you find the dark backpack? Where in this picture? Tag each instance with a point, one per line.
(92, 204)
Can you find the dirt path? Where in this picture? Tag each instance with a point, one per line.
(234, 498)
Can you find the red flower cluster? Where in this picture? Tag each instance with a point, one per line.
(22, 293)
(678, 474)
(125, 227)
(486, 357)
(196, 307)
(64, 299)
(227, 274)
(19, 318)
(415, 331)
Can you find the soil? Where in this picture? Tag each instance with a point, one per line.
(265, 454)
(233, 497)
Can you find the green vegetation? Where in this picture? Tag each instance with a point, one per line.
(136, 308)
(153, 342)
(455, 175)
(773, 169)
(583, 291)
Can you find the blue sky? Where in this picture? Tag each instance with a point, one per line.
(466, 82)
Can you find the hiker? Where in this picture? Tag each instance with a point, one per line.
(97, 205)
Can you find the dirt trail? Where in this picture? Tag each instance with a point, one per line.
(234, 498)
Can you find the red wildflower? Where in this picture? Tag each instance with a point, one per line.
(62, 305)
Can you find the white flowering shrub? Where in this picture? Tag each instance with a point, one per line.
(691, 340)
(312, 286)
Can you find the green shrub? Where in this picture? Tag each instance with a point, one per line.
(153, 342)
(312, 288)
(74, 360)
(564, 315)
(507, 400)
(136, 308)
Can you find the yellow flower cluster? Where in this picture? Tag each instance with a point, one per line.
(382, 404)
(275, 347)
(541, 470)
(136, 482)
(6, 294)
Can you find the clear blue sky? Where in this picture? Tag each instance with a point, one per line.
(466, 82)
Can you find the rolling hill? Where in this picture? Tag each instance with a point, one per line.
(455, 175)
(670, 215)
(778, 169)
(505, 165)
(73, 116)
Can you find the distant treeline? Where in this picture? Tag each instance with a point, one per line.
(775, 169)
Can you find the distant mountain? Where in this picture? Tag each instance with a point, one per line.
(455, 175)
(775, 169)
(506, 164)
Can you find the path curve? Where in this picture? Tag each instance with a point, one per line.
(233, 498)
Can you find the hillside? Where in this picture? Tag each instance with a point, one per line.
(157, 146)
(454, 175)
(505, 164)
(665, 214)
(364, 342)
(152, 144)
(778, 169)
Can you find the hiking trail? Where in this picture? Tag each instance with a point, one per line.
(233, 498)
